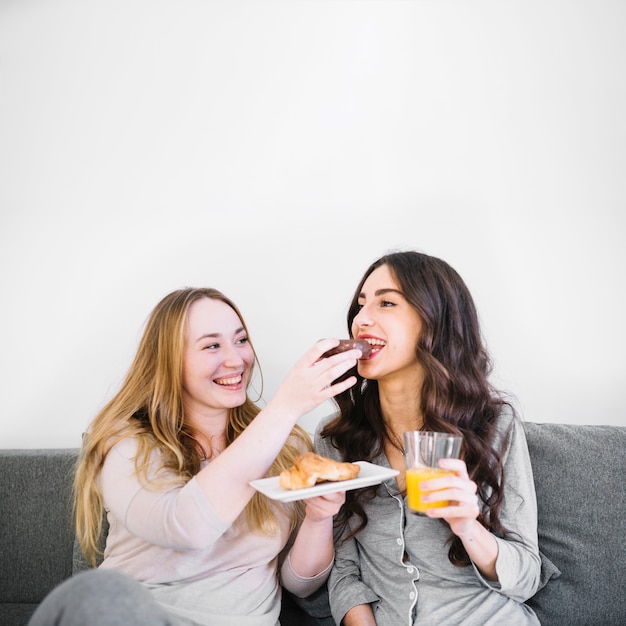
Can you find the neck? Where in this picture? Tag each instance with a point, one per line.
(401, 409)
(400, 401)
(209, 429)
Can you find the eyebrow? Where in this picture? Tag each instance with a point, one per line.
(382, 292)
(218, 335)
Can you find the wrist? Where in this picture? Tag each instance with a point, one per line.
(316, 520)
(469, 532)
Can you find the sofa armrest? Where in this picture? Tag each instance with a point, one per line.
(36, 516)
(579, 478)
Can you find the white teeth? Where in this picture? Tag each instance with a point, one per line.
(229, 381)
(375, 342)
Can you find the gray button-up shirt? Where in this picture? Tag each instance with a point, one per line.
(399, 562)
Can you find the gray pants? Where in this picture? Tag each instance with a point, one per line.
(100, 597)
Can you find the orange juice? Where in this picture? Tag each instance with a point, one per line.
(414, 476)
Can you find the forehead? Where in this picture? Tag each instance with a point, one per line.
(208, 315)
(380, 278)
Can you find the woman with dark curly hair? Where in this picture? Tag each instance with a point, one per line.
(476, 560)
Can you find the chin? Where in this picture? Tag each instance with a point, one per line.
(235, 400)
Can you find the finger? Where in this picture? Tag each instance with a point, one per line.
(456, 465)
(332, 390)
(314, 353)
(334, 497)
(323, 343)
(451, 482)
(459, 500)
(321, 349)
(337, 496)
(451, 513)
(456, 509)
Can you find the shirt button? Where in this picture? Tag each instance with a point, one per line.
(412, 595)
(399, 541)
(410, 570)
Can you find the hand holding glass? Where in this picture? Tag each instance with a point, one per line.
(422, 451)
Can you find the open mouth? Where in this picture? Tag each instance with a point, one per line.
(230, 381)
(376, 345)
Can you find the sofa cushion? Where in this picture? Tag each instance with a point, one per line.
(16, 614)
(35, 504)
(579, 478)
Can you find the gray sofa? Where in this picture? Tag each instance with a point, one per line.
(580, 477)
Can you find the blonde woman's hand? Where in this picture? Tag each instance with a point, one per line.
(321, 508)
(310, 381)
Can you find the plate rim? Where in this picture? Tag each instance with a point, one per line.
(290, 495)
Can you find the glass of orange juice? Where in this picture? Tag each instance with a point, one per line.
(422, 451)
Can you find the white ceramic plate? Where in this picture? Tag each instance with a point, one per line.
(370, 474)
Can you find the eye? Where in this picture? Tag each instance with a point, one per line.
(211, 346)
(242, 340)
(386, 303)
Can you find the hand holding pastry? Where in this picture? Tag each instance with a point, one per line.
(320, 508)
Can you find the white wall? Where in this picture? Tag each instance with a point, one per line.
(275, 149)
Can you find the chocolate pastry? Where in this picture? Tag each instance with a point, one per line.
(350, 344)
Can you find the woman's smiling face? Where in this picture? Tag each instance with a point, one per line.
(218, 358)
(390, 324)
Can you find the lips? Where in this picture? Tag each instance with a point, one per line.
(376, 344)
(230, 381)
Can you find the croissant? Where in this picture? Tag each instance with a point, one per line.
(310, 468)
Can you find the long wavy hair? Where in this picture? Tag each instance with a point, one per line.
(456, 395)
(149, 407)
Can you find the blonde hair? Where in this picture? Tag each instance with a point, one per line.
(149, 407)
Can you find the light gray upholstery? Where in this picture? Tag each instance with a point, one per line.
(36, 534)
(579, 475)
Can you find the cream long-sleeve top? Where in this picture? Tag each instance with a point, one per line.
(399, 562)
(203, 570)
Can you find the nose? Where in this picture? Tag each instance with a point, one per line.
(232, 357)
(363, 318)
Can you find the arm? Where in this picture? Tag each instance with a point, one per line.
(350, 598)
(360, 615)
(518, 563)
(311, 556)
(511, 565)
(174, 516)
(225, 480)
(193, 515)
(313, 549)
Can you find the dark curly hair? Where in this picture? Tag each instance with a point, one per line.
(456, 395)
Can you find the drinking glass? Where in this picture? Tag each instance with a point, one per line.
(422, 451)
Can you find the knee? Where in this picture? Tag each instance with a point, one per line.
(97, 596)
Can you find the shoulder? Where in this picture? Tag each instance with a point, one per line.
(510, 439)
(323, 445)
(136, 455)
(324, 421)
(122, 451)
(507, 424)
(300, 440)
(126, 448)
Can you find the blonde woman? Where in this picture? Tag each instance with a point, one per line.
(169, 460)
